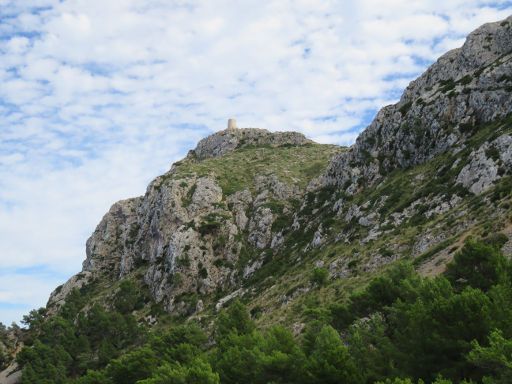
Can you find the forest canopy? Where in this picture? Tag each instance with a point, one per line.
(402, 328)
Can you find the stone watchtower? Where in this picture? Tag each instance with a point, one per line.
(232, 124)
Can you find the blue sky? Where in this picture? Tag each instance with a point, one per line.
(99, 97)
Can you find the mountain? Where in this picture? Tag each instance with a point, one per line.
(248, 198)
(204, 227)
(293, 228)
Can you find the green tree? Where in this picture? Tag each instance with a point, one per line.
(35, 318)
(371, 348)
(197, 372)
(75, 301)
(235, 319)
(93, 377)
(281, 360)
(181, 343)
(439, 380)
(501, 299)
(43, 364)
(237, 357)
(477, 264)
(4, 358)
(398, 283)
(319, 276)
(3, 332)
(244, 354)
(133, 366)
(434, 333)
(330, 361)
(128, 297)
(495, 359)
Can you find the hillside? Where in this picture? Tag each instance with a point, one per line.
(308, 236)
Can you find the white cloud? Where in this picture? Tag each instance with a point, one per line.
(98, 97)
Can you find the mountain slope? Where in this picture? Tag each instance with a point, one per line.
(199, 225)
(293, 228)
(246, 209)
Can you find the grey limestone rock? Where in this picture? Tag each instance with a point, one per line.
(108, 246)
(466, 86)
(186, 236)
(228, 140)
(260, 227)
(484, 166)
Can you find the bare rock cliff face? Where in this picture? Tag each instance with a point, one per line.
(437, 112)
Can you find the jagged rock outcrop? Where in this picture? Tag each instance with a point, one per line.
(487, 164)
(11, 342)
(437, 112)
(58, 296)
(113, 238)
(11, 375)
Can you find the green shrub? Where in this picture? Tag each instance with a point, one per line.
(209, 227)
(447, 85)
(319, 276)
(203, 272)
(187, 199)
(128, 297)
(465, 80)
(405, 108)
(492, 153)
(496, 240)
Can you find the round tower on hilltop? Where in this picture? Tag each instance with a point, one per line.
(232, 124)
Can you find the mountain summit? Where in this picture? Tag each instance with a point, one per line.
(231, 139)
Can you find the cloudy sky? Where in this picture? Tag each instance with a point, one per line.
(97, 97)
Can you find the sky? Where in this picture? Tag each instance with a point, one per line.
(98, 97)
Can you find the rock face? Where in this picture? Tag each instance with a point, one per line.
(436, 113)
(11, 375)
(11, 342)
(113, 238)
(487, 164)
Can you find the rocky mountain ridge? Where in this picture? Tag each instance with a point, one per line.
(465, 88)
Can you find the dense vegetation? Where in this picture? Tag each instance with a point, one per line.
(401, 328)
